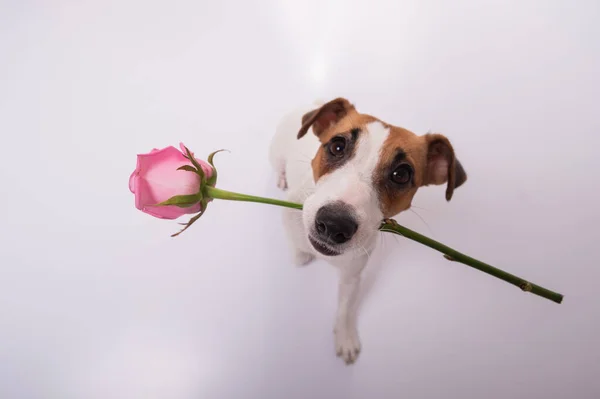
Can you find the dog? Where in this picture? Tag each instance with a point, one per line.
(352, 172)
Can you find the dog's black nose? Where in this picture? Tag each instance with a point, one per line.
(335, 223)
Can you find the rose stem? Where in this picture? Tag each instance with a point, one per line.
(391, 226)
(231, 196)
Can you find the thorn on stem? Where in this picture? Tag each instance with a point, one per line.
(526, 286)
(389, 221)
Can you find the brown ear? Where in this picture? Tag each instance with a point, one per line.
(322, 118)
(442, 165)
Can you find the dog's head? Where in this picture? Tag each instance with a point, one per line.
(366, 170)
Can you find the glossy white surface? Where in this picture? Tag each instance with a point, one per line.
(97, 301)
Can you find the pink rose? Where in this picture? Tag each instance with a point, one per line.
(156, 179)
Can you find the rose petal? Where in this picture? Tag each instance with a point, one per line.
(157, 179)
(132, 181)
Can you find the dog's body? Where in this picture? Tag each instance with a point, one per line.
(353, 172)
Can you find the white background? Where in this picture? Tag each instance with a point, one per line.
(98, 302)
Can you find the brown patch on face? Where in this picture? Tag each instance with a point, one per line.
(335, 120)
(431, 160)
(403, 152)
(348, 129)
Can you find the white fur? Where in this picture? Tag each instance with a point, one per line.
(351, 183)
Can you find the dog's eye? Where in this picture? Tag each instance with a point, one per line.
(402, 174)
(337, 146)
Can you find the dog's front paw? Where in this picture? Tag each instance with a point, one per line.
(282, 181)
(347, 343)
(303, 258)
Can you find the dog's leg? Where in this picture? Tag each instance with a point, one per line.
(281, 144)
(281, 180)
(292, 221)
(347, 342)
(278, 163)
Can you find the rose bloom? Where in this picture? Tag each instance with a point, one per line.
(156, 179)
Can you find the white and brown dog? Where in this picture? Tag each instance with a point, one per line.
(363, 170)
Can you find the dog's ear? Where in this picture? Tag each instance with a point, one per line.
(322, 118)
(442, 165)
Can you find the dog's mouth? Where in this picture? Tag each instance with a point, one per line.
(323, 248)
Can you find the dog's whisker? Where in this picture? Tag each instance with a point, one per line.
(423, 220)
(382, 241)
(366, 252)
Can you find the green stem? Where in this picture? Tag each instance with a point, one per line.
(231, 196)
(391, 226)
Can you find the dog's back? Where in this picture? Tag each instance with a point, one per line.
(290, 156)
